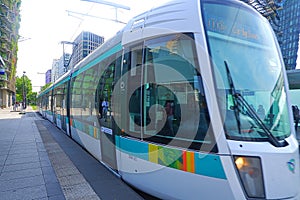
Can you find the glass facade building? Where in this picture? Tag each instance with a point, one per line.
(289, 30)
(284, 16)
(48, 76)
(86, 42)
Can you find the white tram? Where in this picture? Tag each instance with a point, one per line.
(188, 101)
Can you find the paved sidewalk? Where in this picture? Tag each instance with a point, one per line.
(25, 169)
(39, 162)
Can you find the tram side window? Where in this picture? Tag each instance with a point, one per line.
(88, 88)
(105, 88)
(83, 90)
(76, 100)
(65, 98)
(174, 105)
(58, 99)
(44, 102)
(49, 103)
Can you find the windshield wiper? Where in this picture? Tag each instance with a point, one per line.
(240, 100)
(233, 92)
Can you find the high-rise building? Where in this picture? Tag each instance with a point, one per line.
(63, 62)
(58, 67)
(284, 16)
(288, 32)
(85, 43)
(9, 28)
(54, 70)
(48, 76)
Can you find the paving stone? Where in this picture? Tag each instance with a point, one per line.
(22, 160)
(20, 174)
(22, 155)
(50, 178)
(73, 179)
(3, 159)
(66, 171)
(4, 152)
(21, 151)
(45, 163)
(48, 170)
(22, 166)
(53, 189)
(28, 193)
(21, 183)
(57, 197)
(79, 191)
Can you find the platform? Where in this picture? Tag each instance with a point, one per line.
(38, 161)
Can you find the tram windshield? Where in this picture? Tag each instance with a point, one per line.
(248, 73)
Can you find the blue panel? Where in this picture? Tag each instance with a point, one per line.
(209, 165)
(133, 147)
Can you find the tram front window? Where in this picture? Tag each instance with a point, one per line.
(248, 73)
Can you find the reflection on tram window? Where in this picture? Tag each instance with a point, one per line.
(170, 107)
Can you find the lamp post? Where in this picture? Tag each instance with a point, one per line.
(24, 92)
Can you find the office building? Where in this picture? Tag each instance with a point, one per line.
(84, 44)
(9, 28)
(48, 77)
(59, 67)
(284, 16)
(54, 70)
(63, 63)
(288, 32)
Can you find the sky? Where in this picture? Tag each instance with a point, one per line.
(45, 23)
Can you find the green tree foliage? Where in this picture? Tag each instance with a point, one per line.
(45, 86)
(23, 83)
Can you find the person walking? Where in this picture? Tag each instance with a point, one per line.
(296, 115)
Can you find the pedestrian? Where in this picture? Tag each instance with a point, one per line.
(104, 109)
(261, 112)
(15, 106)
(170, 116)
(296, 116)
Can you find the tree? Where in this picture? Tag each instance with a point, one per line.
(24, 82)
(45, 86)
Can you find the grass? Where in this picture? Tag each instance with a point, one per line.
(34, 107)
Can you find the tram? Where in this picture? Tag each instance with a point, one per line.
(188, 101)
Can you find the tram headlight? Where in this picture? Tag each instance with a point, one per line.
(250, 172)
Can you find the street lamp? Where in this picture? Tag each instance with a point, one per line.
(24, 92)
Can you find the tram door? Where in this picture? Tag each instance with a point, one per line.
(63, 107)
(132, 94)
(104, 106)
